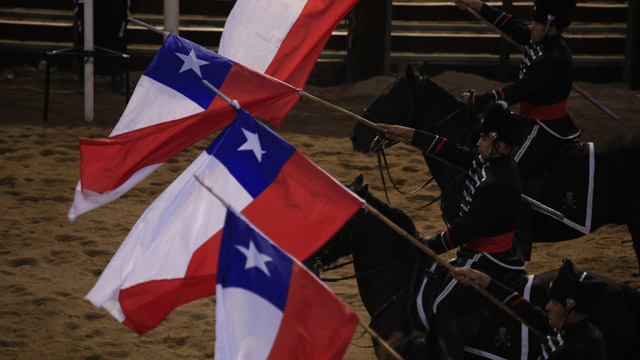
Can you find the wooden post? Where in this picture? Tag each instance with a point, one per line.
(171, 15)
(632, 49)
(88, 62)
(369, 34)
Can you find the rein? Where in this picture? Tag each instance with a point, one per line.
(378, 147)
(382, 156)
(361, 275)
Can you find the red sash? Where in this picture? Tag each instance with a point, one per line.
(492, 244)
(543, 112)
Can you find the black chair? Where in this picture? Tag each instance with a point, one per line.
(80, 52)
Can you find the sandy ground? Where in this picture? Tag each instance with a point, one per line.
(48, 264)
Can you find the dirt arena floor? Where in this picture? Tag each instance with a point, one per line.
(47, 264)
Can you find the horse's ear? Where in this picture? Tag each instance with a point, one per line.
(422, 69)
(410, 75)
(356, 183)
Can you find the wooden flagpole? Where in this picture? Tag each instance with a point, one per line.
(538, 205)
(582, 93)
(543, 208)
(448, 266)
(149, 27)
(391, 224)
(377, 337)
(369, 208)
(364, 326)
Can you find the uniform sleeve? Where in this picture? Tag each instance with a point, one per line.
(518, 30)
(444, 148)
(538, 77)
(528, 312)
(482, 218)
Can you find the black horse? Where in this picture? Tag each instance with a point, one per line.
(416, 101)
(390, 273)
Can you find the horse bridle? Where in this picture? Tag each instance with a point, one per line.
(378, 146)
(318, 269)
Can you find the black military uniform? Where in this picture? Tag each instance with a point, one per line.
(543, 86)
(488, 215)
(578, 341)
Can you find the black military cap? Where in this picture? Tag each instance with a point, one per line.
(574, 288)
(558, 12)
(498, 123)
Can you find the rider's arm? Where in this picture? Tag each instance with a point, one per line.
(530, 313)
(444, 148)
(448, 150)
(515, 28)
(542, 74)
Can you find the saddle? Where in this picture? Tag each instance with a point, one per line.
(487, 331)
(566, 185)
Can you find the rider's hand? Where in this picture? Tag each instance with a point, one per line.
(395, 132)
(465, 98)
(466, 276)
(425, 241)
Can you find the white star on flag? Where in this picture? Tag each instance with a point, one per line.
(252, 144)
(255, 258)
(191, 62)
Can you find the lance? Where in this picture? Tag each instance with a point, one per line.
(448, 266)
(371, 332)
(509, 39)
(396, 228)
(538, 205)
(541, 207)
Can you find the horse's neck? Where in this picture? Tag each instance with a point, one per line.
(440, 112)
(449, 121)
(386, 265)
(450, 181)
(378, 245)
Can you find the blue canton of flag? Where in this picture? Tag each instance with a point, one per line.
(269, 306)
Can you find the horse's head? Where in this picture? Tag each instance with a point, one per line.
(341, 243)
(414, 100)
(392, 106)
(363, 231)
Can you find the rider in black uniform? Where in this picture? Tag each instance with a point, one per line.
(544, 81)
(571, 294)
(488, 214)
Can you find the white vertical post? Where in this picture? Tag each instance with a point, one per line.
(171, 14)
(88, 62)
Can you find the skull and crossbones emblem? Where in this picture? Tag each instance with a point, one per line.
(502, 337)
(569, 201)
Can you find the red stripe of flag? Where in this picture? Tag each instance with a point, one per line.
(276, 211)
(305, 40)
(309, 321)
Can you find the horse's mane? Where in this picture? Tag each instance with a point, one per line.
(441, 92)
(396, 215)
(427, 86)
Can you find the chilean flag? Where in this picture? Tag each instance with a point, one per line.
(170, 110)
(269, 306)
(170, 257)
(281, 38)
